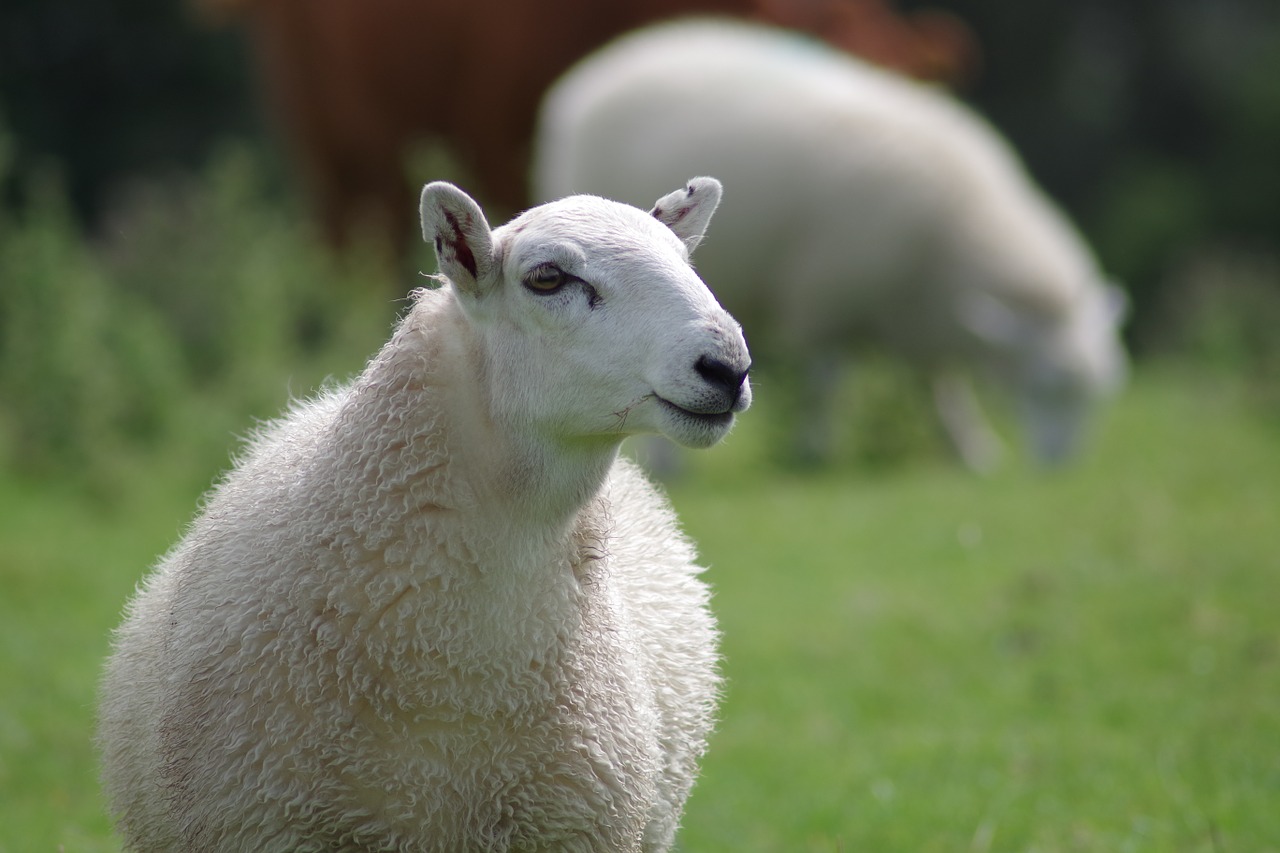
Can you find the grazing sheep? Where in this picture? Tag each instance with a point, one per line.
(432, 610)
(875, 207)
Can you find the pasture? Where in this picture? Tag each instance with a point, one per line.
(916, 659)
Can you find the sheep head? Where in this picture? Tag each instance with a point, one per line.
(1058, 368)
(594, 324)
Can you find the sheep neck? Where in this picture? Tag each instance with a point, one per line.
(509, 504)
(522, 475)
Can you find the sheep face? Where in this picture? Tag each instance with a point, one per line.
(1075, 366)
(595, 326)
(1058, 371)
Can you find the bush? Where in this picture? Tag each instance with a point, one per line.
(202, 307)
(1220, 312)
(83, 366)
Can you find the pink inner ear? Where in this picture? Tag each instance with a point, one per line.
(660, 214)
(457, 243)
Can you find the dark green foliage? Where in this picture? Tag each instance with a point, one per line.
(83, 367)
(202, 305)
(113, 90)
(1221, 315)
(1151, 122)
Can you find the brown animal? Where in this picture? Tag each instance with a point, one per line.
(928, 44)
(355, 84)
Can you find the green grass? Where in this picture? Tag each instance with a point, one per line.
(66, 565)
(1088, 660)
(917, 659)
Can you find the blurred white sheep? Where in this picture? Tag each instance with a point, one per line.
(866, 207)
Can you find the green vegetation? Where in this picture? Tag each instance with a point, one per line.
(916, 659)
(1080, 661)
(201, 307)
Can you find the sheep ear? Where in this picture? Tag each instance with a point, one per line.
(454, 223)
(990, 320)
(688, 211)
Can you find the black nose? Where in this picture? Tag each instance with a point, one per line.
(724, 376)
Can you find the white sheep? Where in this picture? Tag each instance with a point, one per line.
(432, 610)
(875, 208)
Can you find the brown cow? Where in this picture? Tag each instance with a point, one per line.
(928, 44)
(355, 84)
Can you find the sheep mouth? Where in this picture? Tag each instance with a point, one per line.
(711, 419)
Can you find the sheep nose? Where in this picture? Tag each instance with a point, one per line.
(723, 376)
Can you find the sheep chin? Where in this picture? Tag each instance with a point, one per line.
(691, 429)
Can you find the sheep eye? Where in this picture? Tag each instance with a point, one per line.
(546, 278)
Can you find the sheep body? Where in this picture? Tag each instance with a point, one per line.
(875, 208)
(408, 620)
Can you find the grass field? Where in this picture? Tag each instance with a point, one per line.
(916, 659)
(1087, 661)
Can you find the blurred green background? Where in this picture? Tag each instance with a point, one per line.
(917, 659)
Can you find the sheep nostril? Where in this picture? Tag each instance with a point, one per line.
(722, 375)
